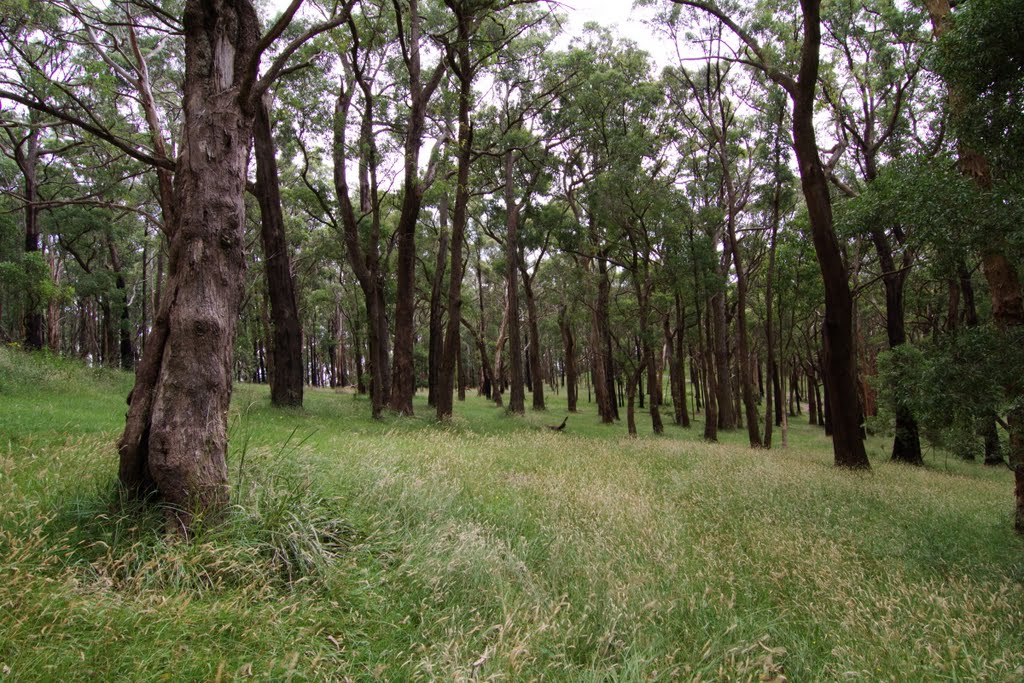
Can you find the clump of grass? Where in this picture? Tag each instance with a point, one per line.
(279, 535)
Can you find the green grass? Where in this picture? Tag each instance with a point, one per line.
(492, 549)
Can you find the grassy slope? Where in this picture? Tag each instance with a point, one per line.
(492, 549)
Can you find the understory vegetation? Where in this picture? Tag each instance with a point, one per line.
(492, 548)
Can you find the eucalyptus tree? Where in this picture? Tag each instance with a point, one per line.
(714, 115)
(878, 53)
(607, 95)
(175, 438)
(361, 223)
(980, 59)
(516, 162)
(482, 31)
(799, 78)
(419, 83)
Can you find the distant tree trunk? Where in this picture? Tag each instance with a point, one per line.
(746, 376)
(175, 438)
(599, 360)
(285, 329)
(460, 373)
(679, 357)
(109, 355)
(533, 326)
(631, 382)
(498, 377)
(28, 159)
(516, 398)
(710, 370)
(769, 332)
(813, 400)
(906, 447)
(674, 365)
(126, 349)
(569, 343)
(437, 329)
(719, 344)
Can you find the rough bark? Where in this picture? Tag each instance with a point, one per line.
(175, 438)
(1000, 273)
(285, 329)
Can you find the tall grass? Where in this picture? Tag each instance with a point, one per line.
(491, 548)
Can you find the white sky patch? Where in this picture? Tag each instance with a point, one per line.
(623, 19)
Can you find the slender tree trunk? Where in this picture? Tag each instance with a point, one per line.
(516, 398)
(533, 326)
(746, 376)
(437, 328)
(569, 343)
(285, 329)
(710, 370)
(631, 382)
(599, 360)
(682, 412)
(719, 344)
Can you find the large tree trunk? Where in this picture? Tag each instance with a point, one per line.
(285, 330)
(839, 365)
(175, 439)
(403, 381)
(1002, 277)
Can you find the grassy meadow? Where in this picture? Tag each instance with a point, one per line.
(493, 549)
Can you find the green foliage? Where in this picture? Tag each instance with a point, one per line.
(982, 61)
(952, 382)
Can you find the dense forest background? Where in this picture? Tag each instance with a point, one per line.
(813, 213)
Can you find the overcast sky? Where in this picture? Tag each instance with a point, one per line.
(616, 14)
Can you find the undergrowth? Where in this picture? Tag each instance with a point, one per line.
(491, 549)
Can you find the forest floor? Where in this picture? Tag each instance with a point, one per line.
(493, 549)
